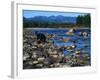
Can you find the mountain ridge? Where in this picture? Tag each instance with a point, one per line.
(51, 19)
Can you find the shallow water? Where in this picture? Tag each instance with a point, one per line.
(81, 42)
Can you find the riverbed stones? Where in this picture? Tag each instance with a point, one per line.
(77, 52)
(34, 47)
(35, 62)
(84, 34)
(51, 66)
(41, 59)
(40, 54)
(34, 55)
(46, 62)
(56, 64)
(25, 56)
(39, 65)
(73, 46)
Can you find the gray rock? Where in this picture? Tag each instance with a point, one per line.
(39, 65)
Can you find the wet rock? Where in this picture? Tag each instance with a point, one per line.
(39, 65)
(70, 32)
(49, 51)
(35, 62)
(85, 34)
(54, 56)
(56, 64)
(26, 45)
(25, 56)
(77, 52)
(41, 59)
(54, 52)
(51, 66)
(73, 46)
(34, 47)
(38, 52)
(80, 34)
(34, 55)
(61, 55)
(46, 62)
(30, 62)
(68, 47)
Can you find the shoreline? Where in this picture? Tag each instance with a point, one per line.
(39, 50)
(57, 28)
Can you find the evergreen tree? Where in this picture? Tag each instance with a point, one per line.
(83, 21)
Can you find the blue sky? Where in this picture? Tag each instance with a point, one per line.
(32, 13)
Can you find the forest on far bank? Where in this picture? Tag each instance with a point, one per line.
(81, 21)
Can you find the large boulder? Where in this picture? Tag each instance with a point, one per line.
(41, 59)
(70, 32)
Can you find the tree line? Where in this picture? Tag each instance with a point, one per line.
(46, 25)
(81, 21)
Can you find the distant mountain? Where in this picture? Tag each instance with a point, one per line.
(52, 19)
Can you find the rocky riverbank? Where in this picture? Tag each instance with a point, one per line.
(39, 51)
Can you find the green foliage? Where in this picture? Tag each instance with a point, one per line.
(83, 20)
(46, 25)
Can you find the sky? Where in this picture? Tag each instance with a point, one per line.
(33, 13)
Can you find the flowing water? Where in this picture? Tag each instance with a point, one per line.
(80, 41)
